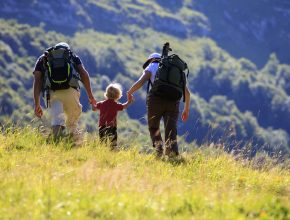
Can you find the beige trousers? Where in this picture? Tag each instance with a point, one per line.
(65, 108)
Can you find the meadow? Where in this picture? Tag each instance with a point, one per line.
(42, 180)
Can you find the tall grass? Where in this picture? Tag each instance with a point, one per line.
(40, 180)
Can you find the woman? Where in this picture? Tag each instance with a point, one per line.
(158, 108)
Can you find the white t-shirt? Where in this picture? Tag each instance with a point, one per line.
(152, 68)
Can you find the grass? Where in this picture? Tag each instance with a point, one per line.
(46, 181)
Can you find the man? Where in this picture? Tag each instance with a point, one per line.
(160, 107)
(63, 101)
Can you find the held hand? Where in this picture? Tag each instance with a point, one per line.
(129, 95)
(131, 99)
(38, 111)
(94, 107)
(184, 115)
(93, 103)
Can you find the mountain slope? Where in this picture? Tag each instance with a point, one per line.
(229, 95)
(216, 78)
(243, 28)
(251, 29)
(94, 183)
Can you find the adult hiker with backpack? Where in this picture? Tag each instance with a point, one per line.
(167, 79)
(56, 75)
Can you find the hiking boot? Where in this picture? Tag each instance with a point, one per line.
(170, 153)
(58, 132)
(77, 138)
(175, 160)
(158, 152)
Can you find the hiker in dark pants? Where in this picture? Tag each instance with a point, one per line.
(158, 108)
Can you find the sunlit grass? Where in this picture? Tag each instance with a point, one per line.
(39, 180)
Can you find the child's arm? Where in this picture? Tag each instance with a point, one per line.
(96, 106)
(129, 101)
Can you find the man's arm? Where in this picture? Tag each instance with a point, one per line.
(87, 83)
(140, 82)
(37, 84)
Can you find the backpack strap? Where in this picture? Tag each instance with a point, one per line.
(150, 83)
(45, 88)
(73, 62)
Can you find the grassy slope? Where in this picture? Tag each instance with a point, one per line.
(41, 181)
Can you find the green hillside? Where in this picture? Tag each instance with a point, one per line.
(229, 96)
(237, 103)
(44, 181)
(235, 146)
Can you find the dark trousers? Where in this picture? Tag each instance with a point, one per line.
(158, 108)
(108, 134)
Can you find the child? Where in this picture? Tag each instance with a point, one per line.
(108, 113)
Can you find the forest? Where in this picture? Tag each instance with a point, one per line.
(240, 97)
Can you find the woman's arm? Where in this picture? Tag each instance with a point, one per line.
(139, 83)
(185, 113)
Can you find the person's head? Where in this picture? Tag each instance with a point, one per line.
(151, 58)
(113, 91)
(62, 45)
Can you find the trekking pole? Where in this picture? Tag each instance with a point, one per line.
(166, 49)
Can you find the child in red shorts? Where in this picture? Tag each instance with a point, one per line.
(108, 113)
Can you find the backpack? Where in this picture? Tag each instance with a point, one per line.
(60, 71)
(170, 79)
(59, 67)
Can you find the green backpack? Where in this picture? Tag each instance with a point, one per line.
(60, 70)
(59, 67)
(170, 79)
